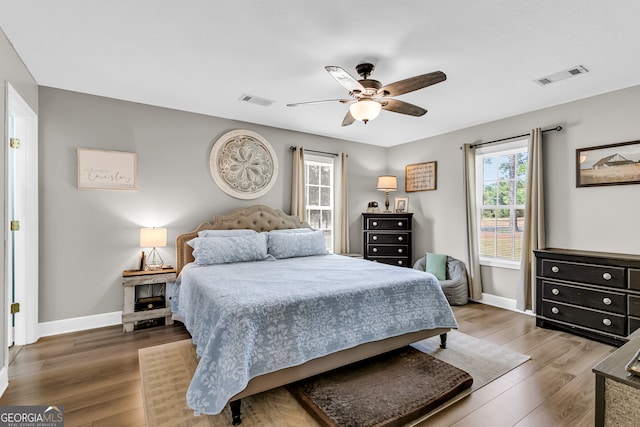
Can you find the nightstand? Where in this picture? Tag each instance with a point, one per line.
(145, 309)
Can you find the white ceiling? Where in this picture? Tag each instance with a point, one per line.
(202, 56)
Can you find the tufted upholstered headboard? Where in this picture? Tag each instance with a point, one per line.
(256, 217)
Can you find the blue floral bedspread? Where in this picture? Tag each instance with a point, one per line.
(252, 318)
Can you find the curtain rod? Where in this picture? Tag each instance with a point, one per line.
(314, 151)
(557, 128)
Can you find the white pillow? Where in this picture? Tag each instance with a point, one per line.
(289, 245)
(223, 233)
(227, 249)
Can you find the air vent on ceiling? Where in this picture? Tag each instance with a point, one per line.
(556, 77)
(256, 100)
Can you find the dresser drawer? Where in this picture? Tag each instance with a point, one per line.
(586, 273)
(387, 250)
(600, 300)
(399, 261)
(383, 238)
(634, 279)
(388, 224)
(634, 305)
(605, 322)
(634, 323)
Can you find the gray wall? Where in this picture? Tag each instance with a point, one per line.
(88, 237)
(596, 218)
(12, 70)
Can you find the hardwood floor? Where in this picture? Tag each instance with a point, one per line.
(94, 374)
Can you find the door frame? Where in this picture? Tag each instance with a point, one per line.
(26, 292)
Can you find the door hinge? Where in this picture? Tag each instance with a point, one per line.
(14, 143)
(15, 308)
(15, 225)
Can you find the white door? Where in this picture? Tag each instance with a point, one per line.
(21, 203)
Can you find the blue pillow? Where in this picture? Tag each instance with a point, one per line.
(437, 265)
(224, 233)
(289, 245)
(292, 230)
(226, 249)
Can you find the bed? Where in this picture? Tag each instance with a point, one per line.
(289, 311)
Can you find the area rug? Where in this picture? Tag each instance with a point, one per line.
(388, 390)
(166, 371)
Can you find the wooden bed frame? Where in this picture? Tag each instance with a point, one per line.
(264, 218)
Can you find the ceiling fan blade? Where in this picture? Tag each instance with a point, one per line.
(345, 79)
(402, 107)
(348, 119)
(342, 101)
(412, 83)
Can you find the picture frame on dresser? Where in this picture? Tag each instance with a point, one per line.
(611, 164)
(401, 204)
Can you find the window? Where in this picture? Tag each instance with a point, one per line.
(501, 177)
(319, 195)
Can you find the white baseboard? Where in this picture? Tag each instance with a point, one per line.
(79, 323)
(4, 380)
(501, 302)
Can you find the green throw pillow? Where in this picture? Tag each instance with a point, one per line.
(437, 265)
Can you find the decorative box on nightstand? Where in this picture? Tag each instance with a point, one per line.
(144, 310)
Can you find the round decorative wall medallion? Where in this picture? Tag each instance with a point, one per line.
(243, 164)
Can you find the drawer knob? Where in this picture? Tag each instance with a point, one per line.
(400, 262)
(374, 223)
(555, 291)
(606, 322)
(400, 223)
(555, 268)
(400, 250)
(606, 276)
(374, 250)
(374, 238)
(606, 301)
(400, 239)
(555, 310)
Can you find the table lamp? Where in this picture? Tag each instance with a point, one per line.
(387, 183)
(153, 238)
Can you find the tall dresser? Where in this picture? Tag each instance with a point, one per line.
(594, 294)
(387, 238)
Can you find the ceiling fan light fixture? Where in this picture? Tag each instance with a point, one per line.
(365, 110)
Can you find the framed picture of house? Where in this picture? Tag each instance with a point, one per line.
(420, 177)
(107, 170)
(612, 164)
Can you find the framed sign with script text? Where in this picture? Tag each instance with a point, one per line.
(107, 170)
(420, 177)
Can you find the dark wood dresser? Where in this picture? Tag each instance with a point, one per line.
(387, 238)
(594, 294)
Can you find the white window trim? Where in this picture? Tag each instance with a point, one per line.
(505, 148)
(327, 160)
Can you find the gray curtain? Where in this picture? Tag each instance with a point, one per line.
(473, 254)
(298, 204)
(341, 241)
(534, 229)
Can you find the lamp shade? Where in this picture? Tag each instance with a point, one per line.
(365, 110)
(153, 237)
(387, 183)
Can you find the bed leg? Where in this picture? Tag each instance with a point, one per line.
(443, 340)
(235, 412)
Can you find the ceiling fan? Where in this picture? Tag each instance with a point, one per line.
(368, 96)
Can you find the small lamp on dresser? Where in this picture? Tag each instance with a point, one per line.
(153, 238)
(387, 183)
